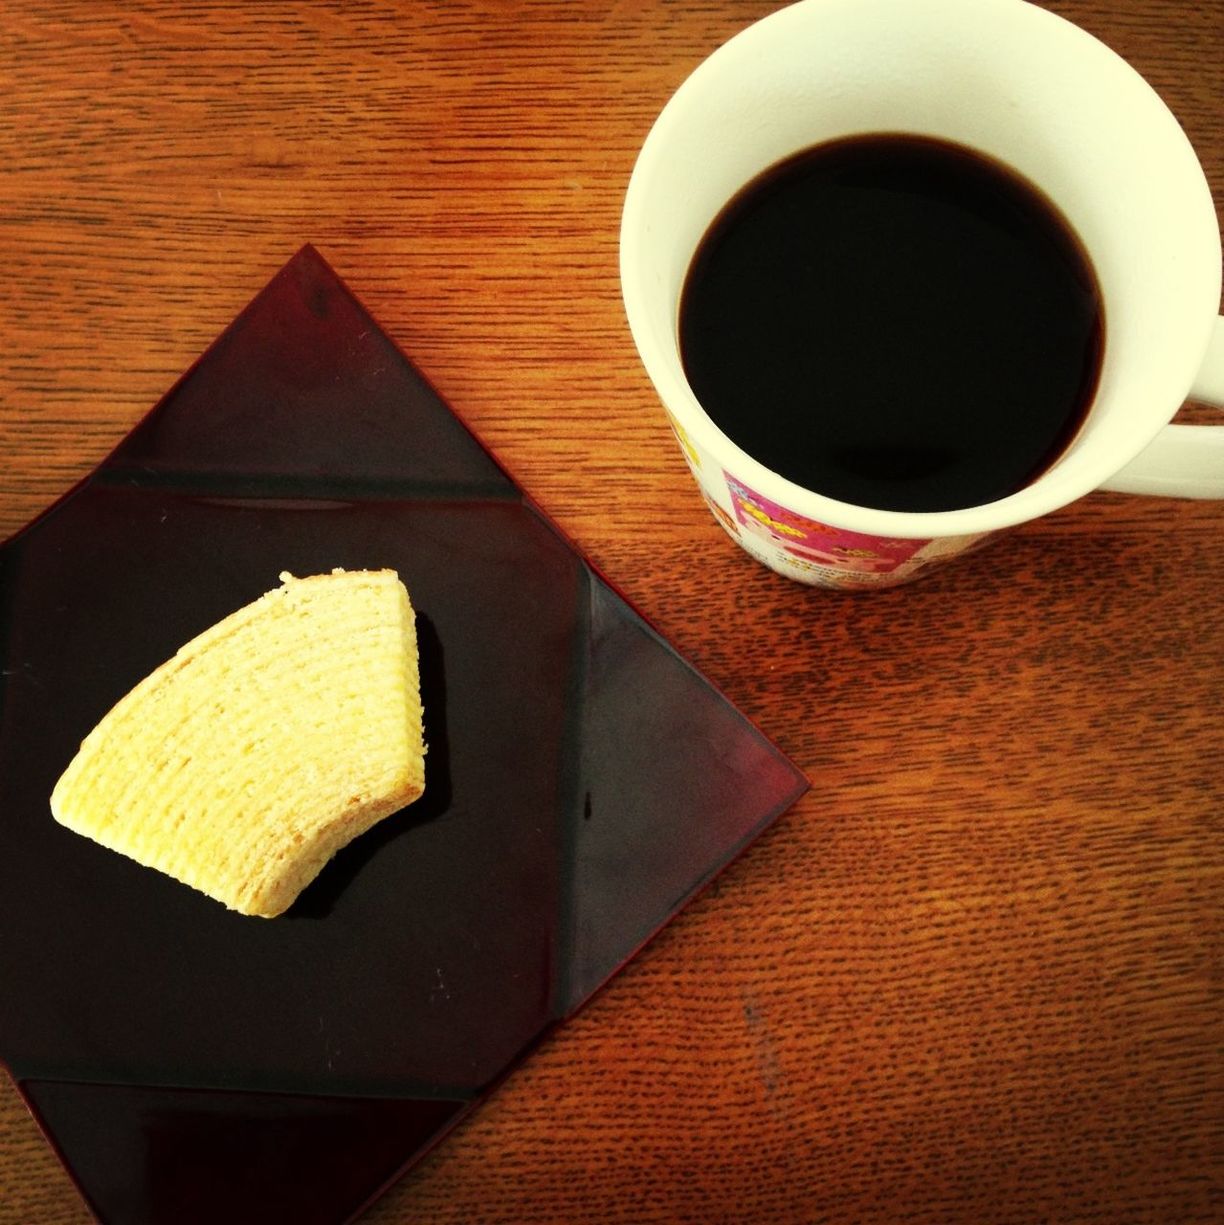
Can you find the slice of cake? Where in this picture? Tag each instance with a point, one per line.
(267, 743)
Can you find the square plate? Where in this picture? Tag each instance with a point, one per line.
(194, 1065)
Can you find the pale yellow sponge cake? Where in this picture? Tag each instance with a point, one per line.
(267, 743)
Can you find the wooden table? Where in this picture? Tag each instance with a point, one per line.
(975, 975)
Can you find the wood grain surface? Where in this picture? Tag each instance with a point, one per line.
(975, 976)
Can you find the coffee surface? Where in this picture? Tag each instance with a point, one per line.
(895, 322)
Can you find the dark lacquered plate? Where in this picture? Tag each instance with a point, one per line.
(194, 1065)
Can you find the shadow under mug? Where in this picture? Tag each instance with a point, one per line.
(1025, 87)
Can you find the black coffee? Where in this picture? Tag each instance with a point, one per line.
(896, 322)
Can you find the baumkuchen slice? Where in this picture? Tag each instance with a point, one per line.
(267, 743)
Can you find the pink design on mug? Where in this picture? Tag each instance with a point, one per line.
(850, 553)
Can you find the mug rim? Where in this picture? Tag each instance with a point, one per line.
(1046, 493)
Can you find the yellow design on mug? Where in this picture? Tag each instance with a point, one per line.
(686, 443)
(776, 525)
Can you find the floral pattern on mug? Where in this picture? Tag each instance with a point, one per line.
(818, 544)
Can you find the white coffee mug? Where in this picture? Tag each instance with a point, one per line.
(1025, 87)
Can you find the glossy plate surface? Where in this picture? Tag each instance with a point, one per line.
(195, 1065)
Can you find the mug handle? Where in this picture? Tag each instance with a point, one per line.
(1184, 461)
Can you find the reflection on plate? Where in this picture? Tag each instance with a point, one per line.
(192, 1064)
